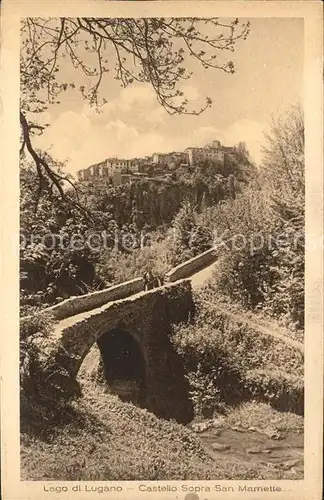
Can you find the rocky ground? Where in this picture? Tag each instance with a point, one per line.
(276, 444)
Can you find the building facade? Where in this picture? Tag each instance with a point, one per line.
(214, 151)
(170, 160)
(108, 168)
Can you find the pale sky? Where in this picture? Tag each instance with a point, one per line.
(268, 79)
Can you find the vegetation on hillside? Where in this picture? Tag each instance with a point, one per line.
(99, 438)
(263, 269)
(228, 361)
(150, 203)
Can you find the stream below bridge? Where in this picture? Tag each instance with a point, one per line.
(281, 453)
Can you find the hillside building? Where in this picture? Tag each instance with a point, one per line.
(108, 168)
(170, 160)
(214, 151)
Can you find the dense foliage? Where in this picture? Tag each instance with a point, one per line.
(56, 260)
(227, 361)
(263, 268)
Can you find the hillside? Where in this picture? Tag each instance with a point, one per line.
(152, 201)
(99, 438)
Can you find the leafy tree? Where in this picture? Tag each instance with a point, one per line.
(269, 274)
(57, 254)
(284, 171)
(283, 156)
(242, 150)
(189, 238)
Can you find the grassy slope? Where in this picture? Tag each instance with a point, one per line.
(101, 438)
(210, 292)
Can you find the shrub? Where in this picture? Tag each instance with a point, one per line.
(204, 392)
(214, 378)
(33, 331)
(264, 417)
(282, 390)
(250, 347)
(116, 267)
(39, 323)
(189, 237)
(41, 377)
(220, 355)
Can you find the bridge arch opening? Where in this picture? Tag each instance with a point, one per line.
(123, 365)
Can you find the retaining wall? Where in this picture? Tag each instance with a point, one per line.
(82, 303)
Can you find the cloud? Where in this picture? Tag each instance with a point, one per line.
(121, 132)
(133, 104)
(74, 139)
(138, 94)
(138, 104)
(249, 131)
(65, 136)
(204, 135)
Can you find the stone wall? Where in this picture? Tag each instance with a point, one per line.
(192, 266)
(79, 304)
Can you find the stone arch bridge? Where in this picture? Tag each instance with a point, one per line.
(133, 334)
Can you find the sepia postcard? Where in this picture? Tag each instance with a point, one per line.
(162, 249)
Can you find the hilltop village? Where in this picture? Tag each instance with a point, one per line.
(159, 166)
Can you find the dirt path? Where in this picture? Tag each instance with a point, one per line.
(257, 326)
(201, 277)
